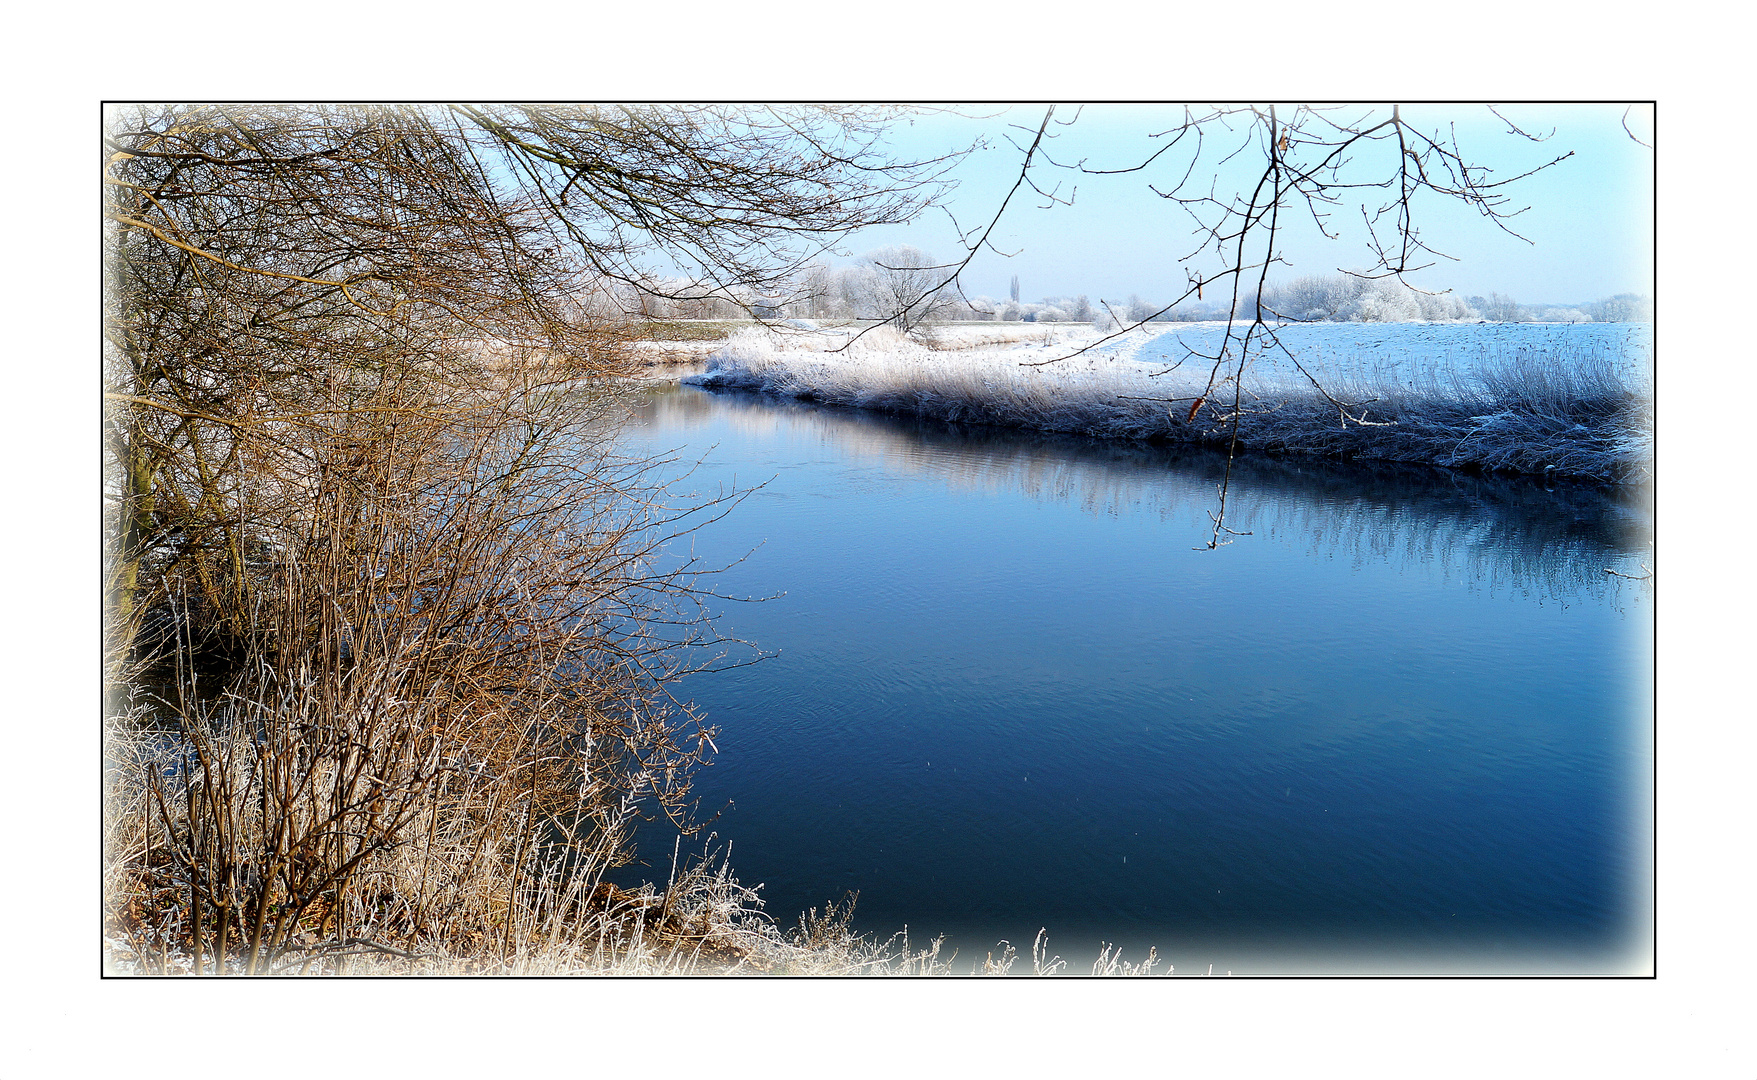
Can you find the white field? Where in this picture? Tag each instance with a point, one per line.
(1351, 352)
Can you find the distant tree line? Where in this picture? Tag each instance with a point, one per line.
(906, 280)
(1348, 298)
(1623, 307)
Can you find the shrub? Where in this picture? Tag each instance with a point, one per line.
(446, 705)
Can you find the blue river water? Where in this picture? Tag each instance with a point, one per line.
(1403, 725)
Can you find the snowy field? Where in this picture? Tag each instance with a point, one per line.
(1550, 398)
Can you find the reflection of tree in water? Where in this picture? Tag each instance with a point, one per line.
(1491, 532)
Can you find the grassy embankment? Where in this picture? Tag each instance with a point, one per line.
(1573, 412)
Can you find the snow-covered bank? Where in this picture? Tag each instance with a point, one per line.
(1534, 398)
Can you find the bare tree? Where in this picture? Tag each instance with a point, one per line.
(1310, 161)
(258, 255)
(375, 564)
(742, 200)
(1313, 297)
(1499, 308)
(907, 287)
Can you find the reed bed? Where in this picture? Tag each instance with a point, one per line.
(1574, 412)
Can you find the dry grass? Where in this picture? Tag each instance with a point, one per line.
(466, 879)
(702, 922)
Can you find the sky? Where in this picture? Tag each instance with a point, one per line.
(1587, 222)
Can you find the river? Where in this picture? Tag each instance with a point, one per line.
(1403, 725)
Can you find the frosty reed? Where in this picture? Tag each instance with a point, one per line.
(1561, 409)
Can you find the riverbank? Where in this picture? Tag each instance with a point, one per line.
(703, 923)
(1548, 400)
(444, 909)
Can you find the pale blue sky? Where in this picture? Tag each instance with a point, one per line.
(1590, 220)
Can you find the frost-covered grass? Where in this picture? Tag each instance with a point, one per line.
(488, 914)
(1561, 400)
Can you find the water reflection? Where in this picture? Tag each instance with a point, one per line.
(1491, 532)
(1401, 727)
